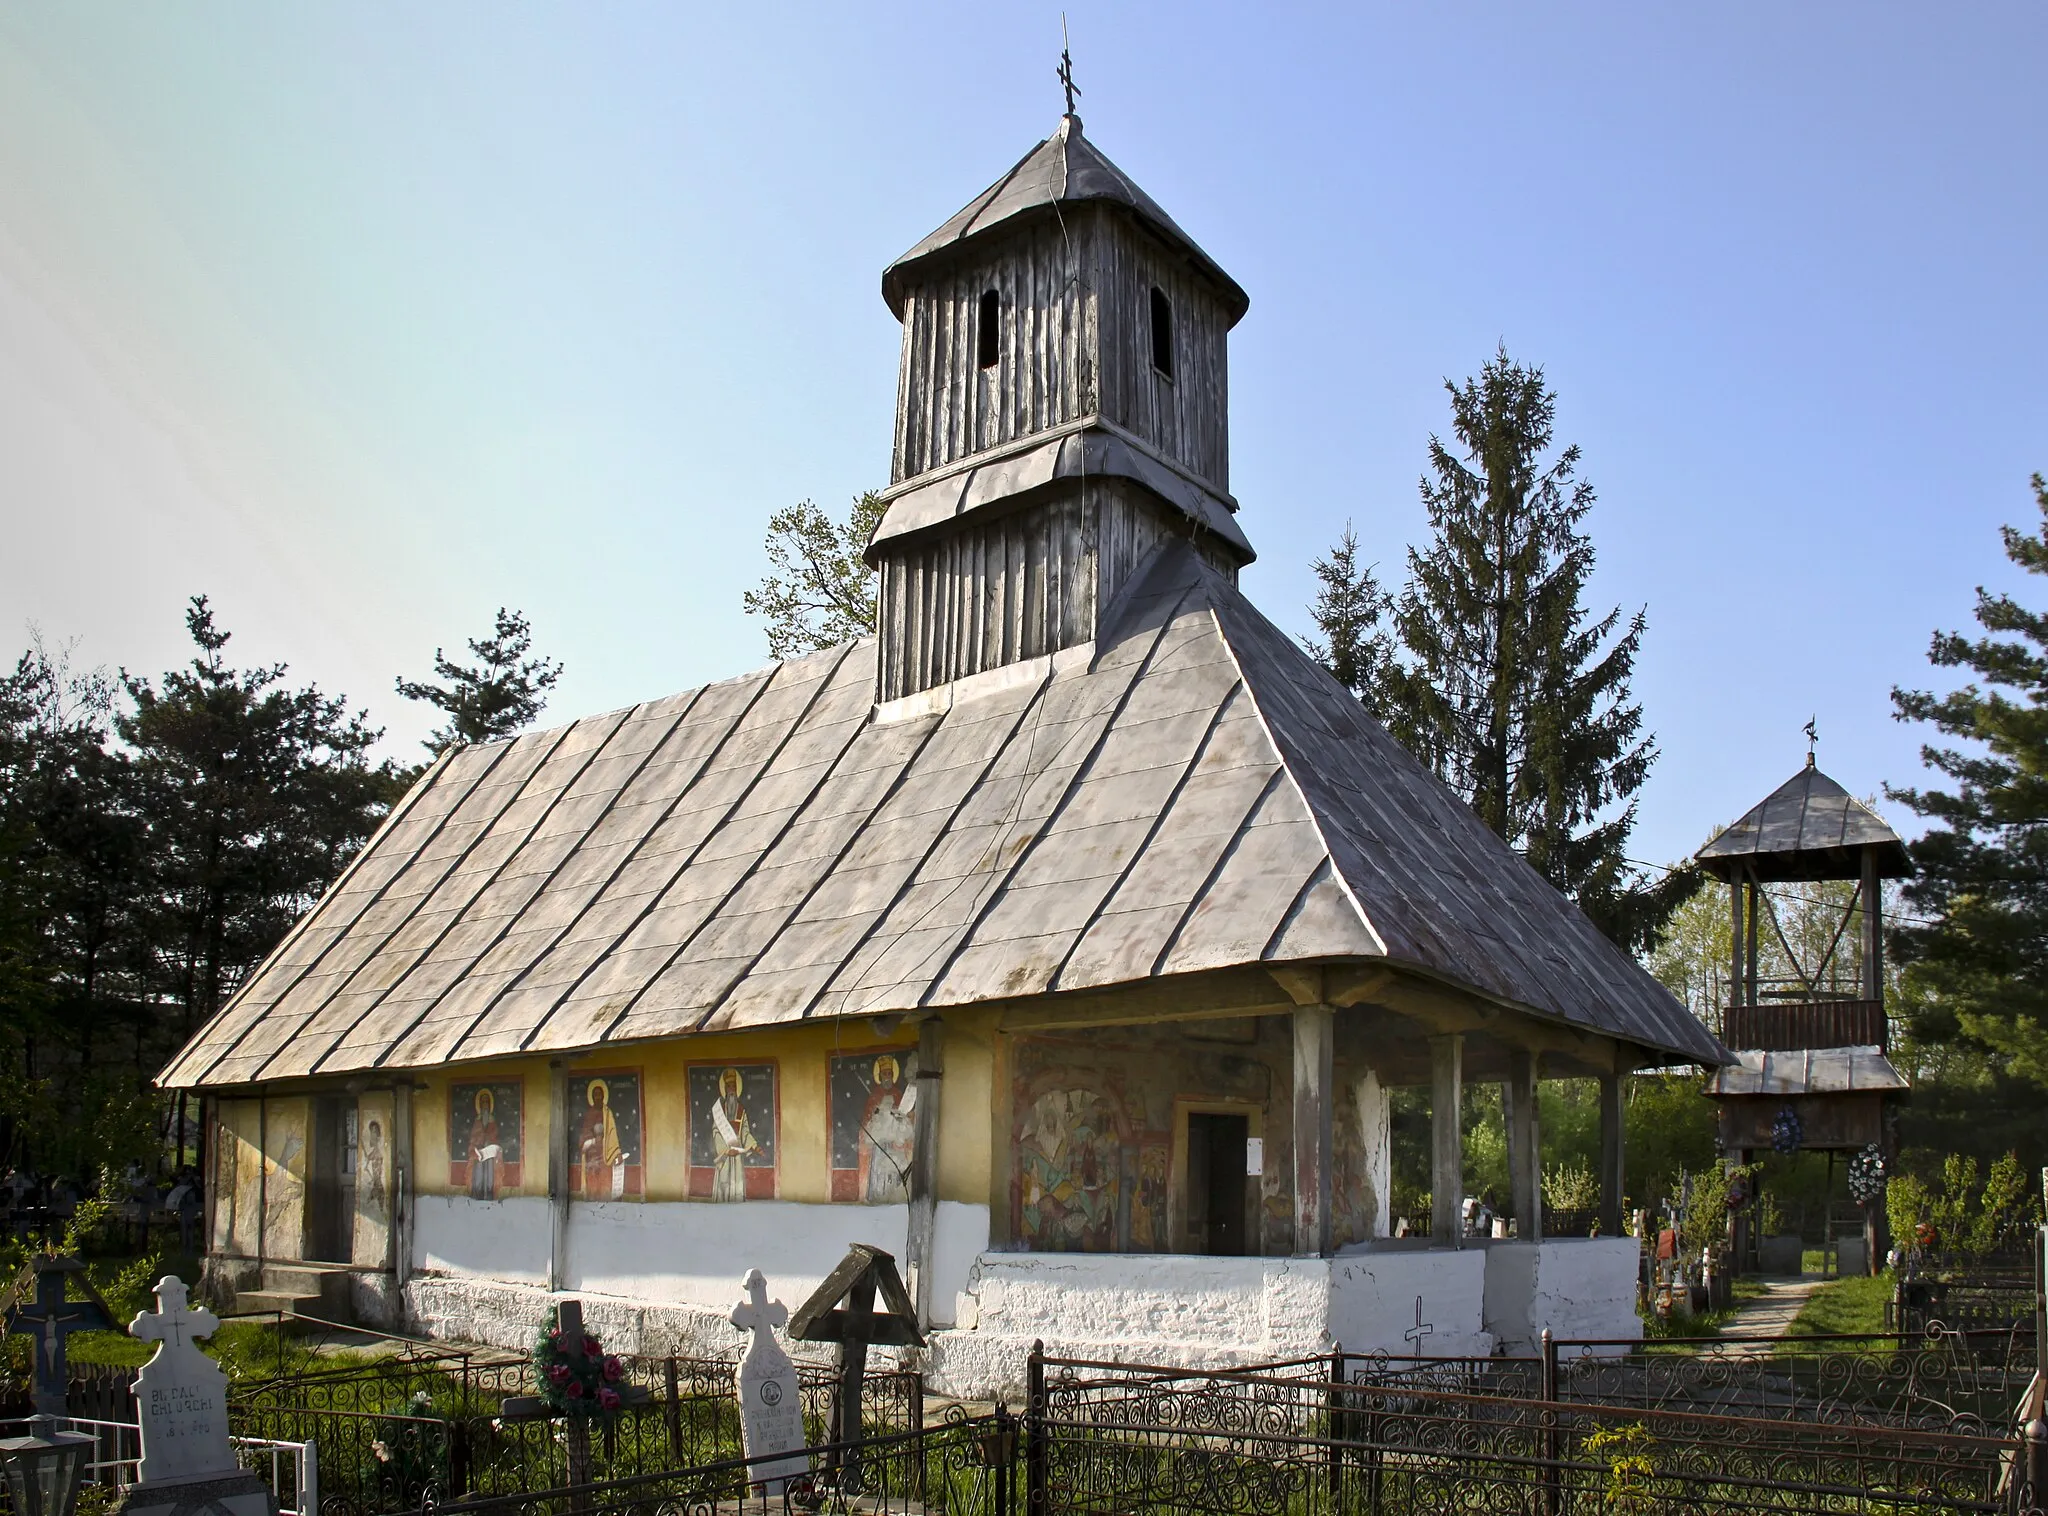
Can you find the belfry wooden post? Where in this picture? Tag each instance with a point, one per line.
(1447, 1139)
(1525, 1145)
(1612, 1155)
(1315, 1074)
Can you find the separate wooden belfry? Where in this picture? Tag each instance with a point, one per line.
(1812, 1068)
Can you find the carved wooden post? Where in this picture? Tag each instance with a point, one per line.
(1446, 1139)
(1613, 1146)
(1525, 1146)
(1315, 1054)
(558, 1174)
(924, 1164)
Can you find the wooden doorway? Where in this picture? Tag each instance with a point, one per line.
(1217, 1182)
(331, 1197)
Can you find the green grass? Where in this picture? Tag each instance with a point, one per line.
(1844, 1305)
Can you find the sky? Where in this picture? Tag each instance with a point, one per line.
(366, 320)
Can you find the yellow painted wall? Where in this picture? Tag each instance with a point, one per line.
(287, 1131)
(237, 1178)
(802, 1057)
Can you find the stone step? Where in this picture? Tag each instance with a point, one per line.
(269, 1302)
(303, 1279)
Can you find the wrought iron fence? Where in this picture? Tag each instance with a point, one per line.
(1116, 1438)
(966, 1466)
(398, 1435)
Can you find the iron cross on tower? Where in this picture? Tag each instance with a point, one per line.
(1066, 68)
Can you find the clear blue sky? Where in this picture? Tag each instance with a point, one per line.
(366, 319)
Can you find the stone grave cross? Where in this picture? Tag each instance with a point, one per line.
(771, 1410)
(1414, 1335)
(50, 1318)
(181, 1394)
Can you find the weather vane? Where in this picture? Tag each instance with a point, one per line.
(1812, 736)
(1066, 68)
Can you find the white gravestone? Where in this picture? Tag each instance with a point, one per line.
(771, 1410)
(181, 1399)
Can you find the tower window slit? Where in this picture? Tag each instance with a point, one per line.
(1162, 332)
(987, 335)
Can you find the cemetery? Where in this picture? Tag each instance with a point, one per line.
(960, 1069)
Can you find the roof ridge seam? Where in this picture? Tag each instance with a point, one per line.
(633, 853)
(1002, 885)
(939, 834)
(1286, 767)
(304, 924)
(1158, 821)
(781, 745)
(496, 874)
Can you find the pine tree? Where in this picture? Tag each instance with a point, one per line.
(1982, 868)
(819, 591)
(1493, 672)
(254, 796)
(1349, 611)
(499, 696)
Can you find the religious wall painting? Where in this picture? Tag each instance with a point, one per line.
(733, 1114)
(874, 1105)
(1149, 1198)
(284, 1178)
(1069, 1185)
(607, 1152)
(373, 1179)
(486, 1137)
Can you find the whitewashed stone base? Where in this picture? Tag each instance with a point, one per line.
(657, 1279)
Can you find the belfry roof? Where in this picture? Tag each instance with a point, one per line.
(1065, 169)
(1191, 793)
(1809, 827)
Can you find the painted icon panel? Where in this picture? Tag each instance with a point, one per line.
(874, 1104)
(606, 1158)
(732, 1131)
(484, 1137)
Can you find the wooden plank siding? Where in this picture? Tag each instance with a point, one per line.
(1076, 340)
(1019, 585)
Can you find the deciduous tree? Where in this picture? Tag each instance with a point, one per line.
(819, 591)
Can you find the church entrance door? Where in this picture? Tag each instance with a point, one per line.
(331, 1209)
(1216, 1182)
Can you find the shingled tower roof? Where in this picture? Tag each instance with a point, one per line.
(1809, 827)
(1065, 169)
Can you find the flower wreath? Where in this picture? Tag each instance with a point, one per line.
(1867, 1176)
(575, 1378)
(1788, 1132)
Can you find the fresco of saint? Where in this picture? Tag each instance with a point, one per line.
(732, 1131)
(483, 1138)
(874, 1126)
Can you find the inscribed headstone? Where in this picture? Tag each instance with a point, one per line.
(181, 1394)
(771, 1410)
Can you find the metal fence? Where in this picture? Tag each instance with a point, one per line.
(1116, 1438)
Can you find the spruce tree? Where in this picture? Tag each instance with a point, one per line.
(1493, 672)
(498, 696)
(1982, 867)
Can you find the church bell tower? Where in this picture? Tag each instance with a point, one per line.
(1061, 411)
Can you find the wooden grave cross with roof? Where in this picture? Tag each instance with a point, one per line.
(42, 1311)
(842, 1310)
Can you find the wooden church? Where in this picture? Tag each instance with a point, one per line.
(1064, 938)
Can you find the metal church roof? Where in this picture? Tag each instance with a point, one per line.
(1065, 169)
(1807, 1071)
(1191, 793)
(1809, 827)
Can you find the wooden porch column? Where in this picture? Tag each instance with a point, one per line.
(1525, 1146)
(400, 1239)
(1375, 1129)
(1446, 1139)
(924, 1165)
(558, 1174)
(1612, 1143)
(1873, 933)
(1315, 1111)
